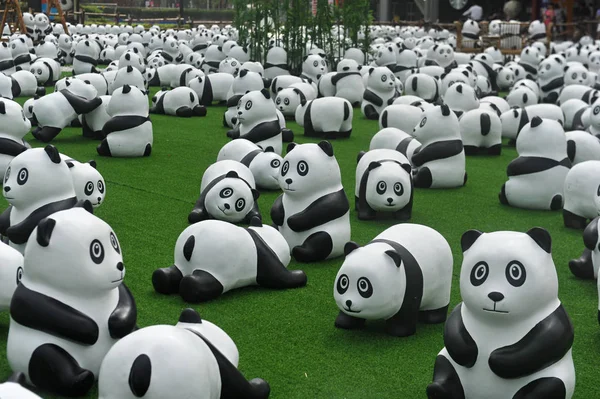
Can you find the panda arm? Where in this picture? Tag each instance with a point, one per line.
(233, 101)
(123, 122)
(372, 98)
(544, 345)
(5, 220)
(590, 234)
(122, 320)
(11, 147)
(6, 64)
(437, 150)
(321, 211)
(263, 131)
(277, 211)
(81, 105)
(528, 165)
(86, 59)
(459, 343)
(555, 84)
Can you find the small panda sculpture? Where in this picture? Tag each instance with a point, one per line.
(212, 88)
(573, 111)
(536, 177)
(288, 100)
(514, 120)
(578, 74)
(205, 267)
(11, 272)
(510, 337)
(128, 76)
(227, 192)
(461, 98)
(193, 359)
(313, 67)
(380, 92)
(14, 126)
(88, 182)
(403, 275)
(581, 189)
(481, 132)
(313, 213)
(276, 63)
(440, 161)
(20, 53)
(423, 86)
(129, 131)
(244, 82)
(401, 116)
(180, 101)
(7, 63)
(579, 92)
(348, 82)
(395, 139)
(529, 60)
(24, 84)
(383, 185)
(86, 57)
(264, 164)
(46, 71)
(328, 117)
(551, 78)
(521, 97)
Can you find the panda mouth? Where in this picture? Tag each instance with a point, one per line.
(495, 310)
(222, 210)
(392, 204)
(351, 311)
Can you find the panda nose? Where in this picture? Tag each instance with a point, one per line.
(99, 199)
(495, 296)
(239, 112)
(390, 200)
(349, 303)
(227, 206)
(120, 266)
(6, 189)
(288, 181)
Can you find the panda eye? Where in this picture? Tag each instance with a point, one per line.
(114, 242)
(248, 105)
(548, 66)
(515, 273)
(302, 168)
(101, 186)
(89, 188)
(442, 52)
(19, 274)
(323, 62)
(392, 78)
(233, 63)
(365, 289)
(423, 122)
(381, 187)
(584, 75)
(240, 204)
(596, 109)
(383, 78)
(226, 192)
(398, 189)
(285, 168)
(278, 101)
(14, 46)
(449, 51)
(574, 76)
(22, 176)
(316, 63)
(275, 163)
(342, 284)
(479, 273)
(7, 175)
(286, 101)
(97, 252)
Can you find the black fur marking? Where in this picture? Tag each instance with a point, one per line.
(207, 92)
(190, 316)
(7, 64)
(528, 165)
(403, 145)
(278, 212)
(261, 132)
(80, 104)
(184, 111)
(486, 123)
(524, 120)
(11, 147)
(571, 150)
(249, 157)
(159, 108)
(188, 247)
(374, 98)
(200, 286)
(340, 75)
(323, 210)
(234, 100)
(44, 231)
(543, 388)
(446, 382)
(166, 280)
(123, 122)
(140, 375)
(574, 221)
(554, 84)
(459, 343)
(50, 73)
(346, 110)
(541, 237)
(83, 58)
(590, 234)
(22, 59)
(15, 88)
(436, 150)
(315, 248)
(183, 76)
(122, 320)
(348, 322)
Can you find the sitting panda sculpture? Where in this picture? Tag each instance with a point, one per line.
(71, 305)
(14, 127)
(264, 164)
(380, 92)
(395, 277)
(481, 132)
(580, 191)
(313, 213)
(180, 101)
(151, 363)
(510, 337)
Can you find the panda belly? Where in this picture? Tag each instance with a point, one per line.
(536, 190)
(447, 172)
(130, 142)
(54, 111)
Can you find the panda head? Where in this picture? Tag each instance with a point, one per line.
(240, 53)
(508, 276)
(37, 176)
(214, 53)
(246, 81)
(594, 60)
(530, 56)
(41, 71)
(460, 98)
(483, 87)
(128, 100)
(81, 88)
(386, 55)
(309, 169)
(28, 110)
(389, 186)
(134, 58)
(370, 282)
(229, 65)
(13, 120)
(195, 60)
(266, 168)
(287, 101)
(348, 65)
(28, 19)
(577, 74)
(89, 183)
(381, 79)
(314, 66)
(505, 78)
(594, 114)
(442, 53)
(18, 46)
(256, 106)
(437, 123)
(471, 27)
(155, 99)
(547, 131)
(41, 20)
(230, 199)
(277, 55)
(454, 77)
(551, 68)
(10, 275)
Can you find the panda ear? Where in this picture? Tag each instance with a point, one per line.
(326, 147)
(255, 194)
(190, 316)
(465, 73)
(445, 110)
(371, 70)
(85, 204)
(126, 89)
(586, 66)
(44, 231)
(349, 247)
(541, 238)
(291, 146)
(269, 149)
(188, 247)
(92, 163)
(266, 93)
(406, 167)
(52, 153)
(468, 238)
(395, 257)
(373, 165)
(566, 68)
(243, 73)
(232, 173)
(536, 121)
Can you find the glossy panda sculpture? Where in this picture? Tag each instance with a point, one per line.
(379, 93)
(580, 191)
(328, 117)
(440, 161)
(401, 276)
(205, 268)
(129, 131)
(180, 101)
(536, 177)
(11, 272)
(510, 337)
(481, 132)
(395, 139)
(193, 359)
(71, 305)
(14, 127)
(264, 164)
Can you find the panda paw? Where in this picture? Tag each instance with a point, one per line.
(287, 135)
(196, 215)
(348, 322)
(260, 388)
(437, 390)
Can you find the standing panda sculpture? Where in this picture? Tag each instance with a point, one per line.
(328, 117)
(71, 305)
(205, 267)
(550, 78)
(180, 101)
(380, 92)
(313, 213)
(383, 185)
(403, 275)
(510, 337)
(86, 57)
(14, 127)
(481, 132)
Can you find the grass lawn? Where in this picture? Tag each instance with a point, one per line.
(288, 337)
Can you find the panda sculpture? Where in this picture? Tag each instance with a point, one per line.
(313, 213)
(348, 82)
(14, 126)
(212, 88)
(205, 267)
(170, 50)
(510, 337)
(579, 92)
(264, 164)
(461, 98)
(395, 139)
(128, 76)
(423, 86)
(276, 63)
(243, 83)
(13, 390)
(7, 63)
(193, 359)
(313, 67)
(403, 275)
(441, 55)
(586, 266)
(401, 116)
(327, 117)
(481, 132)
(580, 191)
(71, 305)
(582, 146)
(228, 193)
(180, 101)
(380, 92)
(20, 53)
(521, 97)
(551, 78)
(514, 120)
(88, 182)
(93, 122)
(578, 74)
(536, 177)
(45, 70)
(383, 185)
(129, 131)
(529, 60)
(574, 111)
(86, 57)
(11, 272)
(289, 99)
(440, 161)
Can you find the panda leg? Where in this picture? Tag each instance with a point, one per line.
(315, 248)
(423, 178)
(404, 213)
(584, 266)
(404, 323)
(502, 195)
(446, 382)
(40, 91)
(365, 212)
(199, 110)
(287, 135)
(546, 388)
(52, 368)
(574, 221)
(557, 202)
(166, 280)
(271, 273)
(103, 149)
(348, 322)
(434, 316)
(47, 133)
(371, 112)
(184, 112)
(495, 150)
(148, 150)
(471, 150)
(200, 286)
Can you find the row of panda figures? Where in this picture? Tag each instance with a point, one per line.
(434, 108)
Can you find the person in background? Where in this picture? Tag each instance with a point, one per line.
(475, 12)
(549, 15)
(559, 18)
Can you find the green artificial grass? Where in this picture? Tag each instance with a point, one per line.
(288, 337)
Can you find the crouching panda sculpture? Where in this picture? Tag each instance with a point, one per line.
(328, 118)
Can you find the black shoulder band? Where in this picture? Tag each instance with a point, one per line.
(86, 59)
(437, 150)
(321, 211)
(528, 165)
(11, 147)
(207, 92)
(247, 160)
(122, 320)
(123, 122)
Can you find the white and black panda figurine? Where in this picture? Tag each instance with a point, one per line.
(327, 117)
(313, 213)
(71, 305)
(88, 182)
(228, 193)
(577, 74)
(401, 116)
(205, 267)
(193, 359)
(276, 63)
(313, 67)
(93, 122)
(10, 275)
(289, 99)
(7, 63)
(24, 84)
(582, 146)
(180, 101)
(395, 139)
(380, 92)
(423, 86)
(510, 337)
(481, 132)
(536, 177)
(517, 118)
(258, 121)
(550, 78)
(440, 161)
(461, 98)
(264, 164)
(85, 58)
(129, 131)
(348, 82)
(14, 126)
(20, 53)
(383, 185)
(403, 275)
(586, 266)
(212, 88)
(581, 189)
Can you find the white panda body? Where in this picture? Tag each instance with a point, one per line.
(328, 117)
(97, 80)
(460, 98)
(580, 190)
(573, 111)
(395, 139)
(400, 116)
(214, 87)
(515, 119)
(264, 164)
(579, 92)
(379, 93)
(348, 81)
(582, 146)
(45, 70)
(127, 76)
(551, 78)
(180, 101)
(481, 131)
(85, 58)
(25, 82)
